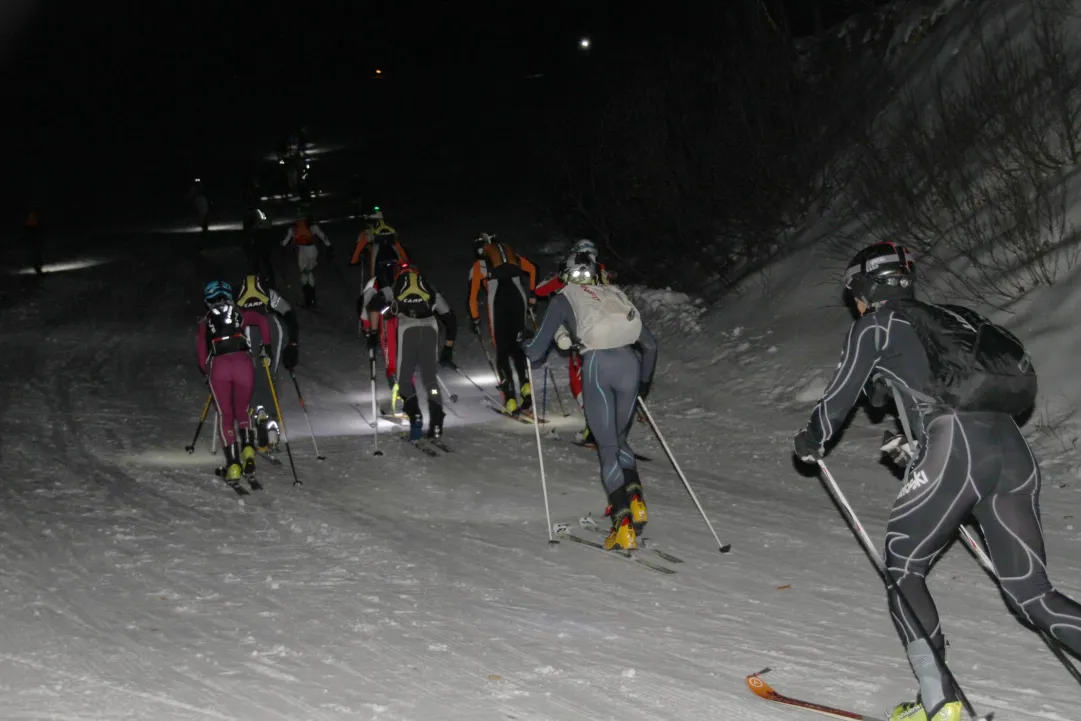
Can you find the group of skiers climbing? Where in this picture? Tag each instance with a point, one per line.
(956, 380)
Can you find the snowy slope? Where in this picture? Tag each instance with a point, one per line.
(136, 586)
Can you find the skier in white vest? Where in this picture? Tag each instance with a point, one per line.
(619, 355)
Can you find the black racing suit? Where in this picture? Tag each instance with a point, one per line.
(967, 463)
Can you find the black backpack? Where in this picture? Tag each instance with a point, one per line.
(975, 364)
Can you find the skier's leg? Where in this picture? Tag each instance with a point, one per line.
(517, 318)
(503, 337)
(243, 385)
(1010, 520)
(940, 490)
(221, 388)
(600, 407)
(622, 370)
(428, 350)
(409, 354)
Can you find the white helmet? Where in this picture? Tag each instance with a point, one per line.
(584, 246)
(581, 269)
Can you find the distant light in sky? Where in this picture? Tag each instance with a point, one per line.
(584, 43)
(378, 71)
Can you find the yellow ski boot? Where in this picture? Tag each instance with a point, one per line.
(527, 397)
(622, 535)
(637, 500)
(247, 452)
(913, 711)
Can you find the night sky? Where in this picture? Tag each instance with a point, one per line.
(135, 95)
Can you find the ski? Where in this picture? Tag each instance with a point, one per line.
(590, 525)
(254, 483)
(593, 446)
(763, 690)
(523, 417)
(235, 485)
(438, 443)
(267, 455)
(563, 531)
(419, 445)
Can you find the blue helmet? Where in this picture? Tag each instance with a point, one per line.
(217, 290)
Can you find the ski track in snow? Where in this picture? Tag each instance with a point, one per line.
(135, 585)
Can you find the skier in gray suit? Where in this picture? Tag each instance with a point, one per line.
(619, 355)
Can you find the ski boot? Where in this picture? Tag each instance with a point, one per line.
(622, 535)
(583, 437)
(260, 418)
(632, 485)
(511, 406)
(233, 470)
(247, 452)
(527, 397)
(416, 420)
(435, 424)
(309, 295)
(914, 711)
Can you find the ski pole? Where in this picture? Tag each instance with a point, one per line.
(214, 438)
(281, 421)
(485, 393)
(540, 459)
(544, 398)
(453, 396)
(1052, 643)
(880, 566)
(304, 408)
(375, 408)
(202, 419)
(488, 358)
(722, 547)
(548, 374)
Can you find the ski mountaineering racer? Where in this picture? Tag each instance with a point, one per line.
(256, 296)
(224, 357)
(384, 250)
(417, 306)
(619, 355)
(303, 233)
(500, 272)
(957, 381)
(554, 284)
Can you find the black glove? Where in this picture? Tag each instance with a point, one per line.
(643, 389)
(476, 325)
(330, 252)
(525, 336)
(806, 447)
(265, 354)
(878, 393)
(446, 356)
(373, 339)
(290, 356)
(897, 448)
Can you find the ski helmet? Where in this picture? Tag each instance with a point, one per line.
(880, 272)
(479, 243)
(580, 269)
(216, 291)
(584, 246)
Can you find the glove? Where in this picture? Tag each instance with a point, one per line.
(372, 338)
(877, 393)
(532, 300)
(476, 325)
(807, 449)
(897, 448)
(643, 389)
(525, 336)
(265, 354)
(290, 356)
(330, 252)
(446, 356)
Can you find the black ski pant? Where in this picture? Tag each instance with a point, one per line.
(507, 315)
(976, 464)
(610, 392)
(418, 351)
